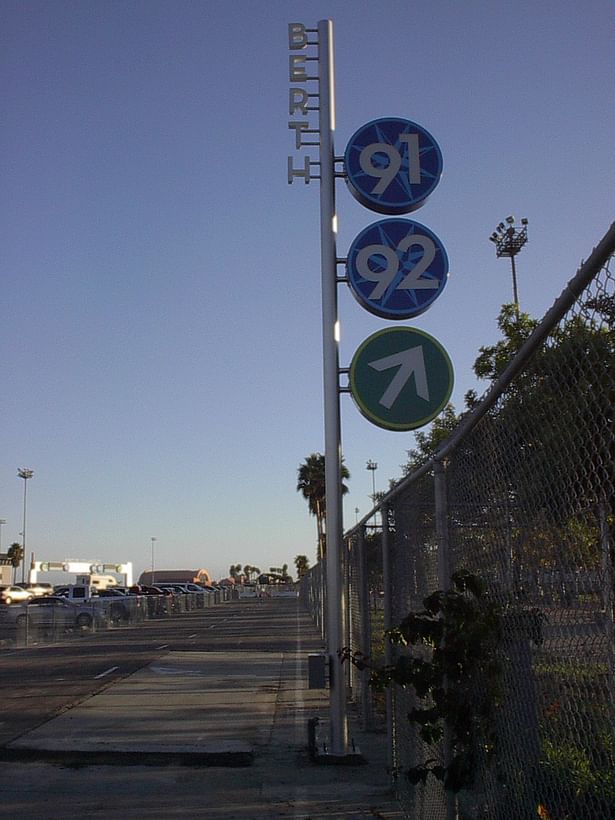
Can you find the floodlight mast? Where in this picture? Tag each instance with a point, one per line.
(509, 240)
(372, 466)
(25, 473)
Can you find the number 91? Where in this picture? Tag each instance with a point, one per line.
(387, 173)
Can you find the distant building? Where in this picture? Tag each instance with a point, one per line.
(6, 569)
(175, 576)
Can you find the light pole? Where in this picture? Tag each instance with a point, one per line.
(373, 466)
(509, 240)
(25, 473)
(153, 540)
(2, 521)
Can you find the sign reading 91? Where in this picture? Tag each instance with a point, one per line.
(397, 268)
(392, 165)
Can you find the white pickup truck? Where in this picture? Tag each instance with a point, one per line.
(95, 607)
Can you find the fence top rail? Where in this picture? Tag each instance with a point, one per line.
(575, 287)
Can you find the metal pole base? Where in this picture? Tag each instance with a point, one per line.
(319, 750)
(352, 757)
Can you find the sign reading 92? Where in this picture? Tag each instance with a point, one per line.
(392, 165)
(397, 268)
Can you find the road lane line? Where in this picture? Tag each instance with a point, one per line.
(106, 672)
(162, 646)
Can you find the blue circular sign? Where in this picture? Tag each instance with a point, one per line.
(397, 268)
(392, 165)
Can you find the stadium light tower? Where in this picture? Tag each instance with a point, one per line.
(508, 240)
(373, 466)
(25, 473)
(153, 540)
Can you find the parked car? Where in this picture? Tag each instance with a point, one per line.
(164, 591)
(110, 592)
(12, 593)
(37, 589)
(198, 589)
(178, 589)
(46, 612)
(139, 589)
(118, 607)
(151, 599)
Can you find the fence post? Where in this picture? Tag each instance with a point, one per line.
(365, 645)
(441, 502)
(347, 594)
(388, 623)
(323, 598)
(444, 582)
(518, 731)
(608, 582)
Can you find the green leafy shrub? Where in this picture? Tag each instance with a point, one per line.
(452, 665)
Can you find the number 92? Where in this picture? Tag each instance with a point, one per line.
(385, 275)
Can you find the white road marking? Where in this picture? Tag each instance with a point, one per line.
(106, 672)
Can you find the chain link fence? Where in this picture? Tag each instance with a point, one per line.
(522, 495)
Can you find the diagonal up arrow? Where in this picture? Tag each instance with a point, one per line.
(410, 362)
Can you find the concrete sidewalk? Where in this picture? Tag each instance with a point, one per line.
(197, 734)
(206, 708)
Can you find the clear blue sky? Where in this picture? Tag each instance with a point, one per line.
(160, 312)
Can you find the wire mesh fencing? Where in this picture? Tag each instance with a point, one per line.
(50, 619)
(522, 497)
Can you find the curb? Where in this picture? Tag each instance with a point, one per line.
(76, 758)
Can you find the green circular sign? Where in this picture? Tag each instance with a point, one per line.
(401, 378)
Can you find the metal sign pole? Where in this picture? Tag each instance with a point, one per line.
(335, 599)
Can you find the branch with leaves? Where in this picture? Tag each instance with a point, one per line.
(453, 667)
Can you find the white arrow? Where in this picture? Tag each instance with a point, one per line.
(409, 362)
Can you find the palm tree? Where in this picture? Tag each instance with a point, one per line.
(15, 553)
(311, 483)
(234, 570)
(249, 571)
(302, 564)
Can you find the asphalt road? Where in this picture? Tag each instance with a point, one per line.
(39, 682)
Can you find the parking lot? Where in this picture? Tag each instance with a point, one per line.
(49, 618)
